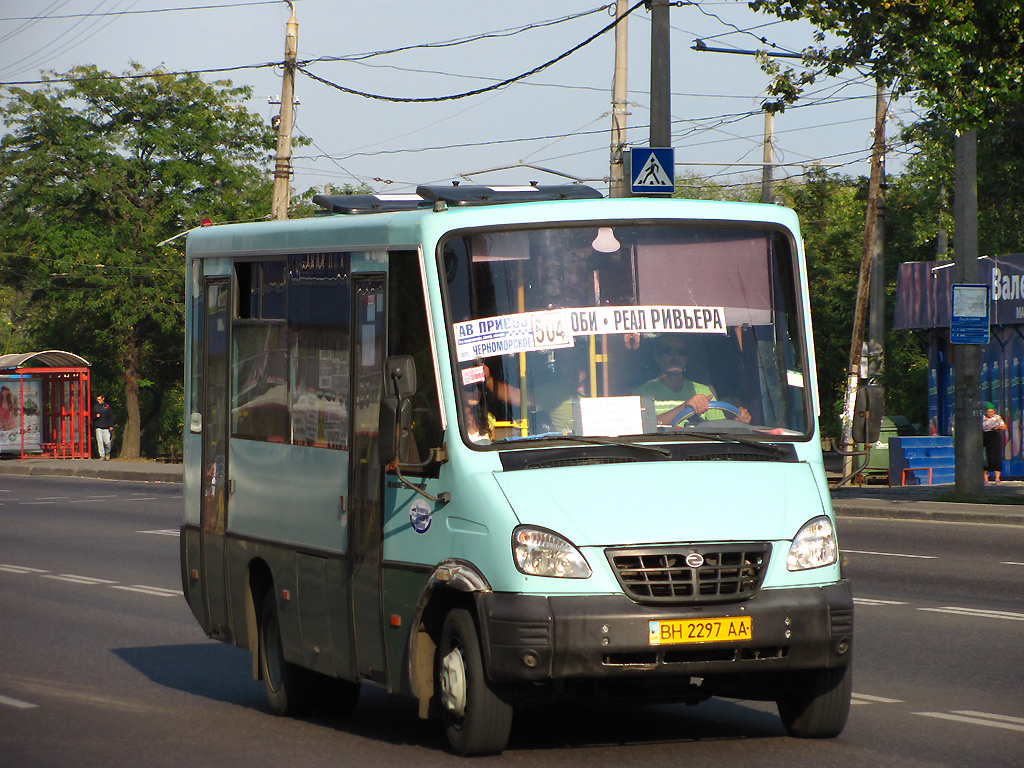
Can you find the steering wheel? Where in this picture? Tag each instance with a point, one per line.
(730, 410)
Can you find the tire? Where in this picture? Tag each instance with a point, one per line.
(288, 687)
(477, 715)
(816, 703)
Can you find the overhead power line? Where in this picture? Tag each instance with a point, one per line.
(477, 91)
(97, 14)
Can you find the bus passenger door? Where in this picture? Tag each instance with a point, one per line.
(214, 509)
(366, 476)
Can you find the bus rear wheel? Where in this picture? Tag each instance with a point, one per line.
(288, 687)
(477, 716)
(816, 703)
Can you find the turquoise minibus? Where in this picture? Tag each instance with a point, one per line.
(480, 446)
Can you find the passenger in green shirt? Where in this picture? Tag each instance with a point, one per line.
(673, 392)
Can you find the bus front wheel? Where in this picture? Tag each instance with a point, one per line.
(477, 717)
(288, 686)
(816, 703)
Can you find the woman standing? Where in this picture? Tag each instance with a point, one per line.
(993, 426)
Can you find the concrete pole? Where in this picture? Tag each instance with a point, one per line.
(618, 185)
(768, 156)
(283, 164)
(661, 81)
(967, 441)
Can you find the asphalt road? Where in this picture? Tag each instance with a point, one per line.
(102, 664)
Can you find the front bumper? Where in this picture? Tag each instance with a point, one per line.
(536, 638)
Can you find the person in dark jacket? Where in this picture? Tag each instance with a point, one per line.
(103, 422)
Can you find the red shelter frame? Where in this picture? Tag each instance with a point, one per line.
(65, 395)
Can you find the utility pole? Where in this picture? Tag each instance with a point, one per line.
(864, 280)
(876, 301)
(661, 82)
(967, 440)
(283, 164)
(768, 156)
(618, 185)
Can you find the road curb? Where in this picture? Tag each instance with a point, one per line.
(934, 511)
(28, 468)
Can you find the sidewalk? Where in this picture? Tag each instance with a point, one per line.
(917, 502)
(146, 471)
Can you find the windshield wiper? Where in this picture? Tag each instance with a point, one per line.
(720, 438)
(617, 443)
(588, 441)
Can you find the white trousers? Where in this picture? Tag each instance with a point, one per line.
(103, 441)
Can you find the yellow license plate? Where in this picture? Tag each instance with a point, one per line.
(713, 630)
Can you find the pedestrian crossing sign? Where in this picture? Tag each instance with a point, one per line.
(652, 170)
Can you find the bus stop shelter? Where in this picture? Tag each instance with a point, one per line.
(923, 305)
(44, 405)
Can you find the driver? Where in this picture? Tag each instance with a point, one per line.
(673, 392)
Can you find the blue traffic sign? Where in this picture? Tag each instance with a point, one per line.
(969, 318)
(652, 170)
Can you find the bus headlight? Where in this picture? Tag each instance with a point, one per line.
(814, 546)
(538, 552)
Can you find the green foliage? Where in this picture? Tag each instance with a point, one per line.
(1000, 176)
(964, 59)
(832, 210)
(95, 171)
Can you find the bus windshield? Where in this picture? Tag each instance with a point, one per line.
(626, 330)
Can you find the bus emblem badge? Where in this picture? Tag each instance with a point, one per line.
(420, 516)
(695, 560)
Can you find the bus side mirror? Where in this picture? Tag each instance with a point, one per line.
(867, 414)
(394, 433)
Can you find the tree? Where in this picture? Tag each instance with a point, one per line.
(964, 59)
(95, 171)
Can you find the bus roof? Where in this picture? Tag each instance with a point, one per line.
(435, 196)
(384, 221)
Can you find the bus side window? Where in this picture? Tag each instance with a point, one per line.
(259, 380)
(409, 334)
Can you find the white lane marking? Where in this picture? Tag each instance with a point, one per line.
(872, 601)
(20, 569)
(979, 718)
(157, 591)
(976, 613)
(91, 581)
(164, 532)
(866, 699)
(1010, 562)
(16, 703)
(989, 716)
(77, 579)
(51, 498)
(890, 554)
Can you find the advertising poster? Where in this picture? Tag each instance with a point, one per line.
(20, 411)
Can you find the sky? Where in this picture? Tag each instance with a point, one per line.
(552, 126)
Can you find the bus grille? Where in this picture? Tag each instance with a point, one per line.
(723, 572)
